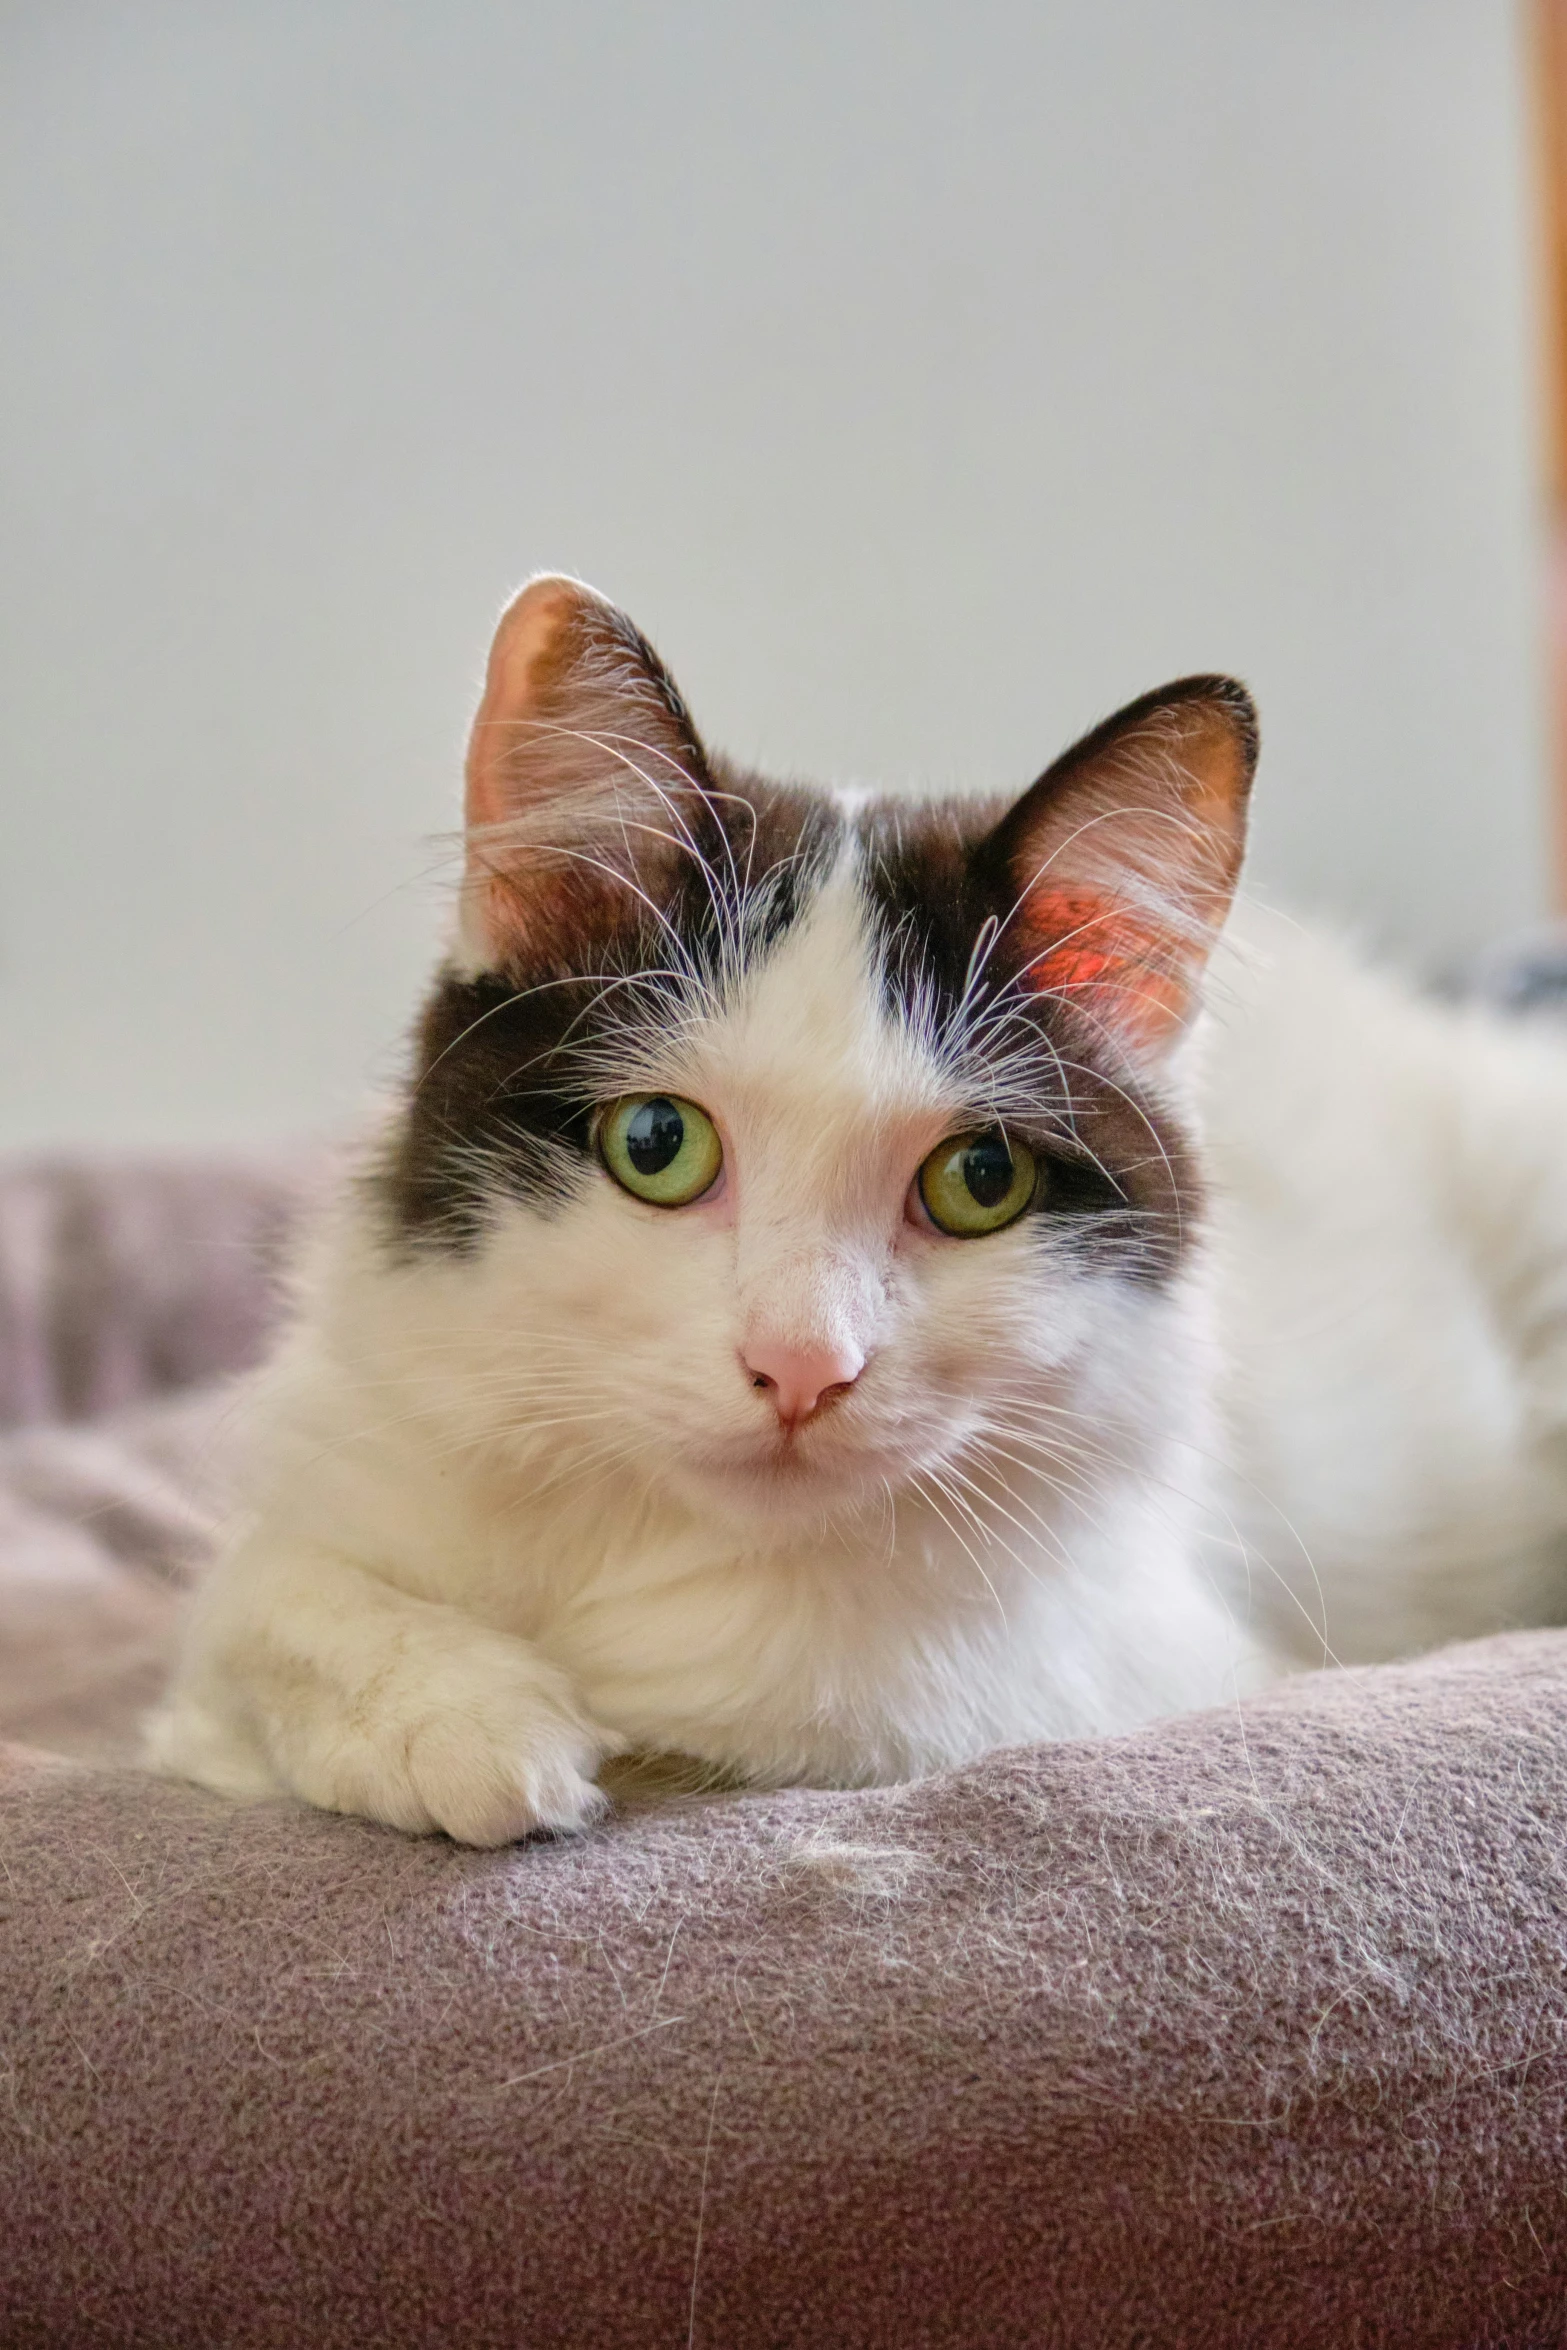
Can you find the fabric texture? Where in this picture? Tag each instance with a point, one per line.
(124, 1279)
(1250, 2029)
(130, 1292)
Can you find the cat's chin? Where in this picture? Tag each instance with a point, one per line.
(793, 1482)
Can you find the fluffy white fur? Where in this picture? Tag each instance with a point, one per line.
(516, 1510)
(517, 1514)
(1388, 1254)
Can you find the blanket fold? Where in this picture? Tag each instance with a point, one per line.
(1246, 2030)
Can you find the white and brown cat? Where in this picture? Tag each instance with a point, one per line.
(828, 1304)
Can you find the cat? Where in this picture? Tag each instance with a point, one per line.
(782, 1325)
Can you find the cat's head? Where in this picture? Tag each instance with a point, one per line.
(786, 1148)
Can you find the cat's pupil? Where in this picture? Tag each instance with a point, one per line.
(654, 1136)
(988, 1169)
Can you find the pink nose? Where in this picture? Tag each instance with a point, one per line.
(801, 1379)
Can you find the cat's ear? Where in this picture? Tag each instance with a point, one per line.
(1120, 864)
(584, 777)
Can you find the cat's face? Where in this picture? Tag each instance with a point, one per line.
(786, 1152)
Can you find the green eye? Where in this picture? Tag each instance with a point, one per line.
(974, 1183)
(660, 1149)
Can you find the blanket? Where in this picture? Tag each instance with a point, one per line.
(1250, 2029)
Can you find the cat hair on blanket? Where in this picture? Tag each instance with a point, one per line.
(832, 1301)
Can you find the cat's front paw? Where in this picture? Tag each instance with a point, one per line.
(484, 1742)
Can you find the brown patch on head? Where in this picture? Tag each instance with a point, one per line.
(1056, 946)
(1121, 1183)
(612, 867)
(613, 864)
(498, 1104)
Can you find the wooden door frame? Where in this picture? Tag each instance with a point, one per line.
(1547, 67)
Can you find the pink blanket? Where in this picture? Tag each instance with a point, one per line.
(1250, 2030)
(127, 1292)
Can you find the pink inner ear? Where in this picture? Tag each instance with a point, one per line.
(1099, 957)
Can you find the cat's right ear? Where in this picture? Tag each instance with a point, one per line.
(584, 782)
(1119, 866)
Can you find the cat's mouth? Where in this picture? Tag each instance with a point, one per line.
(812, 1464)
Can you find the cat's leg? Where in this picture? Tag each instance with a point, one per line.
(303, 1672)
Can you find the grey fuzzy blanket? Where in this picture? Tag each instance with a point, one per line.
(1250, 2029)
(129, 1295)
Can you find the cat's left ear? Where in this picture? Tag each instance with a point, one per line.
(1118, 868)
(585, 781)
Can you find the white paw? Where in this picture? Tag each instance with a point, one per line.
(481, 1738)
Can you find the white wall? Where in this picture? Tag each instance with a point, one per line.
(927, 379)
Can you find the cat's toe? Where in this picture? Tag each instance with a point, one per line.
(488, 1787)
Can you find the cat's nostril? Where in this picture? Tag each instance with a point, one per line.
(802, 1380)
